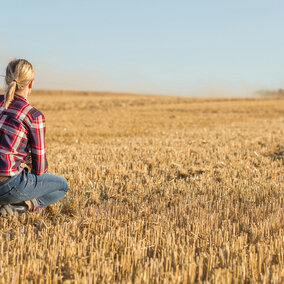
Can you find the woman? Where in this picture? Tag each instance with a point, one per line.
(22, 140)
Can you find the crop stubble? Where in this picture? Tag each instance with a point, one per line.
(162, 190)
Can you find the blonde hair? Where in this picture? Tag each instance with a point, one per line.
(19, 74)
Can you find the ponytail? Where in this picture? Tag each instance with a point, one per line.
(9, 94)
(19, 73)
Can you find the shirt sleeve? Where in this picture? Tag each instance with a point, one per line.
(37, 144)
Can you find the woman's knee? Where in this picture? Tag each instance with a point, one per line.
(62, 183)
(65, 185)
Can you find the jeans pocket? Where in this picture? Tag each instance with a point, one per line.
(12, 196)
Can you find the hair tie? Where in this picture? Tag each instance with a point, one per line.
(15, 81)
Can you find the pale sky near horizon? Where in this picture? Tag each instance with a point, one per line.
(184, 48)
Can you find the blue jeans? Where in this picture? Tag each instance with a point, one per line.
(46, 188)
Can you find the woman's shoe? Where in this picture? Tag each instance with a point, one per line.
(10, 209)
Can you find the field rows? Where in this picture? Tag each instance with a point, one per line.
(162, 190)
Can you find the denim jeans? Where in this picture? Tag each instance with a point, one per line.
(46, 188)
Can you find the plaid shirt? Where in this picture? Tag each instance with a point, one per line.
(22, 133)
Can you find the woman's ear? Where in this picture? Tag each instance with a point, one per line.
(31, 84)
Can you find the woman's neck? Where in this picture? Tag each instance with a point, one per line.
(24, 93)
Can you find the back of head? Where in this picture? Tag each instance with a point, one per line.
(19, 74)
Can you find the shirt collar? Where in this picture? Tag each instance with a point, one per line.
(17, 96)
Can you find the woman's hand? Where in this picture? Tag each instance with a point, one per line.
(28, 163)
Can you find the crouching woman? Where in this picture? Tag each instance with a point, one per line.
(22, 140)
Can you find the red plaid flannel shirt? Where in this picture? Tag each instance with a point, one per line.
(22, 133)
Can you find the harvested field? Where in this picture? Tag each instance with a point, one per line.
(162, 190)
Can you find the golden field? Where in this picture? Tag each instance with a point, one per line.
(162, 190)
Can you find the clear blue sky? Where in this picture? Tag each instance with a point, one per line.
(151, 46)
